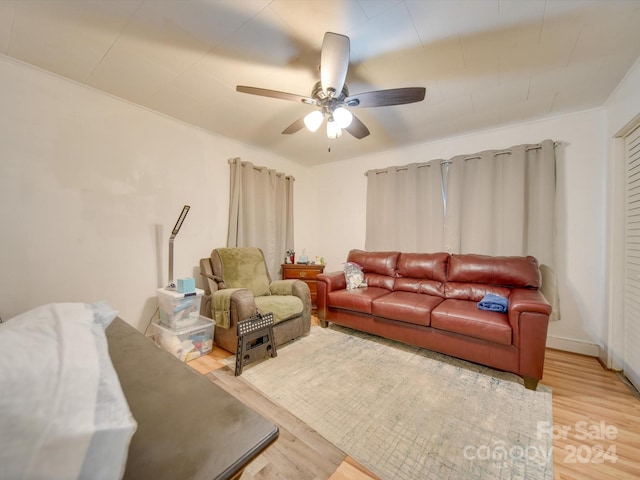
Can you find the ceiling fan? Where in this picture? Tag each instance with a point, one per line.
(331, 95)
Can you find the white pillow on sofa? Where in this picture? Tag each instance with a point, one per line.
(63, 414)
(354, 276)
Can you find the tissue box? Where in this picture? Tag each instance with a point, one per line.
(179, 310)
(186, 285)
(186, 343)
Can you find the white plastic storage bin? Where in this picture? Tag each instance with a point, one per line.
(179, 310)
(186, 343)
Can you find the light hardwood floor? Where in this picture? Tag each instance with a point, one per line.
(596, 426)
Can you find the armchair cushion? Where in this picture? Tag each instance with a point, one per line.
(242, 268)
(283, 307)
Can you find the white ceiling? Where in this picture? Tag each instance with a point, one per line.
(484, 63)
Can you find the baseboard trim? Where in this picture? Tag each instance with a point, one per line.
(573, 346)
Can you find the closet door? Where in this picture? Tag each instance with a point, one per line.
(632, 259)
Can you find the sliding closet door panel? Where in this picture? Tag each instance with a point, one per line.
(632, 259)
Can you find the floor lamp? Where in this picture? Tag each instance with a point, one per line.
(174, 232)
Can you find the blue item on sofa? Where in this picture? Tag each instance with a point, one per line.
(494, 303)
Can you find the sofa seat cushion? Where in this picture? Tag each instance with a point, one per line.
(283, 307)
(464, 317)
(406, 307)
(357, 299)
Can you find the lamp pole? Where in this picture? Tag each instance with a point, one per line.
(174, 232)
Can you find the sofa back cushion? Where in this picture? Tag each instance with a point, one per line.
(422, 273)
(379, 267)
(430, 266)
(512, 272)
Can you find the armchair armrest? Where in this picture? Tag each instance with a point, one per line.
(243, 305)
(281, 287)
(294, 287)
(209, 279)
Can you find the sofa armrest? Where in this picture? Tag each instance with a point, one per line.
(333, 280)
(327, 283)
(529, 318)
(527, 300)
(523, 300)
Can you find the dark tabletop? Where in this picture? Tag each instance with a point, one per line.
(188, 427)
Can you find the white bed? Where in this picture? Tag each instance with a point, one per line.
(63, 414)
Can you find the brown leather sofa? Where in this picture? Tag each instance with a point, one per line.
(431, 300)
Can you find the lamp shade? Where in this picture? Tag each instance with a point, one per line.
(313, 120)
(342, 117)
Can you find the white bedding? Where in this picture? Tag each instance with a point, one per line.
(62, 411)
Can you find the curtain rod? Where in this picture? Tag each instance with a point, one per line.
(257, 168)
(448, 162)
(506, 152)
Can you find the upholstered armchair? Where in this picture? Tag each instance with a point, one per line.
(237, 285)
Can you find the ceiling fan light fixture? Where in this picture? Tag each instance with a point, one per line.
(343, 117)
(313, 120)
(333, 129)
(331, 95)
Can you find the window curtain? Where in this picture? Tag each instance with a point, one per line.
(261, 211)
(405, 209)
(496, 202)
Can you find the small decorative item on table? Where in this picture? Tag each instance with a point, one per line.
(290, 257)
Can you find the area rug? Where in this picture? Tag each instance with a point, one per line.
(408, 413)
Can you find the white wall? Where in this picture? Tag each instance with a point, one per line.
(581, 223)
(90, 188)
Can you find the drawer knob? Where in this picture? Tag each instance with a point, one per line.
(303, 274)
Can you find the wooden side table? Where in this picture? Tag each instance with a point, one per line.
(305, 272)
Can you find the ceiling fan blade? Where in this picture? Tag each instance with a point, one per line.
(384, 98)
(263, 92)
(334, 63)
(294, 127)
(357, 128)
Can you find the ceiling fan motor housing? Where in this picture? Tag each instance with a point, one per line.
(326, 102)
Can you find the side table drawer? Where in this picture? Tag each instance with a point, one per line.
(306, 273)
(300, 274)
